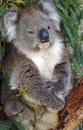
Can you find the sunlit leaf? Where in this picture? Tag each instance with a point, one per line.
(14, 6)
(20, 1)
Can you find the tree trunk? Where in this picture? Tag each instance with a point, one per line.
(72, 115)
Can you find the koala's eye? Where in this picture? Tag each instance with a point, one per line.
(31, 32)
(48, 27)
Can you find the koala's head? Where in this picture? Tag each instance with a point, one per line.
(32, 28)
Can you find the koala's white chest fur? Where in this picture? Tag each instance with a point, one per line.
(47, 59)
(45, 64)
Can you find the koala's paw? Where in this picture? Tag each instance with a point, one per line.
(58, 105)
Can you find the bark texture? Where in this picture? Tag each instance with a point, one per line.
(72, 115)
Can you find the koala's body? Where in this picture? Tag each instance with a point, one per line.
(36, 55)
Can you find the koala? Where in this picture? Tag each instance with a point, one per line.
(36, 55)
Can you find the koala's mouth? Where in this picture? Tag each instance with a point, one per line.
(44, 45)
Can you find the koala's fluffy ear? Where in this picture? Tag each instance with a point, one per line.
(9, 21)
(48, 8)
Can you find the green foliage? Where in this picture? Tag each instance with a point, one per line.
(0, 54)
(15, 4)
(81, 127)
(11, 125)
(70, 14)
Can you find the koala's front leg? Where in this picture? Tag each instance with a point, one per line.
(60, 86)
(62, 77)
(27, 74)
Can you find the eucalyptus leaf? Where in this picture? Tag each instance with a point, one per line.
(3, 10)
(68, 31)
(18, 125)
(11, 125)
(5, 75)
(1, 54)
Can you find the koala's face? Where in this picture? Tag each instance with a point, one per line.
(33, 28)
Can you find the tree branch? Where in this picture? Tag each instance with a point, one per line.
(72, 115)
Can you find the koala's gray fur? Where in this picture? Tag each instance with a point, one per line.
(39, 63)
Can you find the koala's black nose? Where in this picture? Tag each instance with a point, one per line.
(44, 35)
